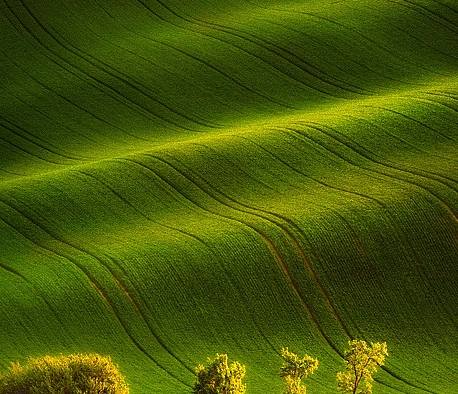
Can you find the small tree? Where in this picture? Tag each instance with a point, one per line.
(88, 374)
(219, 378)
(294, 369)
(361, 363)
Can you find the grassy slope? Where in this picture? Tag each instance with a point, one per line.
(230, 176)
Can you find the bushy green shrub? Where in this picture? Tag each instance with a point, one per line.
(217, 377)
(74, 374)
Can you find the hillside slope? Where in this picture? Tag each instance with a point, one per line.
(184, 178)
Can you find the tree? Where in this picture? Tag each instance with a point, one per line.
(219, 378)
(89, 374)
(361, 363)
(294, 369)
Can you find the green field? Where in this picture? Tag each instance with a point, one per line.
(180, 178)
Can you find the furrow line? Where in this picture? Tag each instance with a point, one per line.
(300, 134)
(334, 22)
(301, 298)
(397, 390)
(149, 9)
(24, 134)
(314, 75)
(412, 249)
(419, 185)
(174, 229)
(124, 79)
(12, 173)
(444, 307)
(14, 148)
(253, 228)
(172, 74)
(54, 120)
(437, 102)
(128, 203)
(315, 88)
(144, 320)
(399, 58)
(401, 379)
(75, 104)
(416, 38)
(98, 80)
(252, 211)
(29, 283)
(214, 68)
(444, 204)
(392, 135)
(299, 230)
(288, 275)
(368, 155)
(217, 70)
(446, 6)
(363, 152)
(160, 224)
(65, 65)
(357, 89)
(121, 286)
(9, 269)
(415, 6)
(92, 280)
(443, 93)
(258, 209)
(265, 45)
(335, 49)
(132, 338)
(405, 251)
(413, 120)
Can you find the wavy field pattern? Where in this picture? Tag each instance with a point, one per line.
(180, 178)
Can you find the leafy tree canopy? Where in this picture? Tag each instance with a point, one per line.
(217, 377)
(74, 374)
(361, 363)
(294, 369)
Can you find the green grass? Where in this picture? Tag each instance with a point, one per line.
(184, 178)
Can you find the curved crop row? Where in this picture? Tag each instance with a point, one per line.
(179, 179)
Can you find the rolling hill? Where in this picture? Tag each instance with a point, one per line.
(180, 178)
